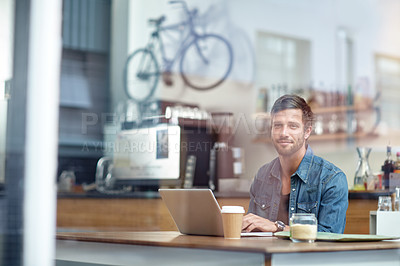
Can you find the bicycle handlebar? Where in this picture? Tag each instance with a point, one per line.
(176, 2)
(191, 14)
(183, 3)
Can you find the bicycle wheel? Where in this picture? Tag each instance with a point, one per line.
(141, 75)
(206, 62)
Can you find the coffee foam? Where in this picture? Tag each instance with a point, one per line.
(303, 231)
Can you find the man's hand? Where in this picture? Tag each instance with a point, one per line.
(252, 222)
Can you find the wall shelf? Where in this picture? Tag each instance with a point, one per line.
(348, 111)
(324, 137)
(325, 110)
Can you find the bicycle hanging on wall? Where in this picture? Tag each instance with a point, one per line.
(205, 60)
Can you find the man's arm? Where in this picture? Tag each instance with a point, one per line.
(252, 222)
(334, 203)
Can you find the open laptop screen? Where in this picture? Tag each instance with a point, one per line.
(195, 211)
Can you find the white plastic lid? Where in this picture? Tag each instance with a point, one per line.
(232, 209)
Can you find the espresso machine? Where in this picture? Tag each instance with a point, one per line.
(169, 147)
(225, 160)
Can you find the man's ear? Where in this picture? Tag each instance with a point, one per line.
(308, 132)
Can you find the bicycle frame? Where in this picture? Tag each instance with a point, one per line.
(193, 49)
(167, 63)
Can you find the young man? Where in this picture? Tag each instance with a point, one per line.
(296, 181)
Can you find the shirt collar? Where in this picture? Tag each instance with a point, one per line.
(305, 165)
(301, 171)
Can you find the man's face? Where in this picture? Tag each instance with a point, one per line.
(288, 133)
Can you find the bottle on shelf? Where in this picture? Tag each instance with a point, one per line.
(262, 100)
(363, 171)
(397, 163)
(387, 168)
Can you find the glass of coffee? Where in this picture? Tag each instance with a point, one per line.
(303, 227)
(397, 199)
(384, 203)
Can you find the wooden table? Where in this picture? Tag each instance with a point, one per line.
(173, 248)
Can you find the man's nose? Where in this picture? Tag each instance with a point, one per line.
(284, 130)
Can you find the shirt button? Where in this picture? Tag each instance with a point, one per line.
(292, 209)
(293, 189)
(263, 206)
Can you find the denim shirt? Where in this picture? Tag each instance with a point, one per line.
(317, 187)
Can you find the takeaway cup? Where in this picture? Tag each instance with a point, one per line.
(232, 217)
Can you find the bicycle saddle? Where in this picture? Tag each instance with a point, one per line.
(157, 21)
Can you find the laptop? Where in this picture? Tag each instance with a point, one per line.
(197, 212)
(194, 211)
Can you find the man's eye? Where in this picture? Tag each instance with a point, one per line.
(277, 126)
(294, 126)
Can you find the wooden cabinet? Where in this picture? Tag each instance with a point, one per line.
(121, 214)
(357, 216)
(113, 214)
(132, 214)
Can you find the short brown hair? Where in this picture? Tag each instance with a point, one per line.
(292, 101)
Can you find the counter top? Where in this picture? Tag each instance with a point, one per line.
(141, 195)
(353, 194)
(368, 194)
(267, 245)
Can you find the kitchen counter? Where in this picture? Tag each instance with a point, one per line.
(124, 213)
(353, 194)
(140, 195)
(368, 194)
(173, 248)
(144, 211)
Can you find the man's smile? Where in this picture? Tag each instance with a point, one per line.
(285, 141)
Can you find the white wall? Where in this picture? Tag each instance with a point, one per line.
(6, 38)
(6, 55)
(372, 24)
